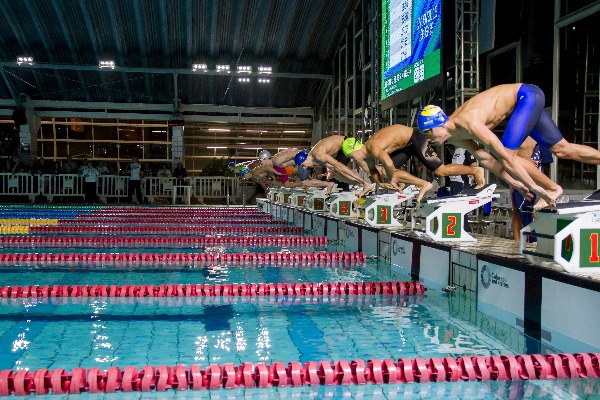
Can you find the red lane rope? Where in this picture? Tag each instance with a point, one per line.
(218, 290)
(163, 241)
(286, 259)
(312, 373)
(166, 222)
(162, 230)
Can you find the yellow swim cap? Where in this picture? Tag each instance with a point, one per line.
(350, 145)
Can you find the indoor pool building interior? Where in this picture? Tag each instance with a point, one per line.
(176, 221)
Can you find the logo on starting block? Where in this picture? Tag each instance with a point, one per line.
(451, 225)
(567, 244)
(588, 253)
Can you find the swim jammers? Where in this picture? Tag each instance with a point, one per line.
(342, 158)
(417, 146)
(530, 119)
(281, 178)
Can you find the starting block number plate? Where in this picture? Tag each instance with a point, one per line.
(588, 256)
(319, 204)
(345, 207)
(451, 225)
(384, 214)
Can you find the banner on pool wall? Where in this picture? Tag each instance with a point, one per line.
(501, 292)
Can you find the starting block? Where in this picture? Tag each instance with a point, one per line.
(378, 210)
(444, 216)
(568, 234)
(283, 196)
(316, 201)
(297, 198)
(272, 195)
(344, 204)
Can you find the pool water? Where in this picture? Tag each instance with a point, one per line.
(102, 332)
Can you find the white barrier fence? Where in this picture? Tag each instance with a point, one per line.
(229, 190)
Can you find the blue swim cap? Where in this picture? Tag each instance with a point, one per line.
(431, 117)
(231, 164)
(301, 156)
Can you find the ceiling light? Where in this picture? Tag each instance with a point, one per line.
(223, 68)
(255, 131)
(107, 64)
(216, 147)
(246, 69)
(199, 67)
(265, 70)
(293, 131)
(243, 80)
(264, 80)
(25, 60)
(219, 129)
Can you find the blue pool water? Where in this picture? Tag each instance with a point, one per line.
(103, 332)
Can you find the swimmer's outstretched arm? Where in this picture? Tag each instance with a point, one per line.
(487, 161)
(341, 168)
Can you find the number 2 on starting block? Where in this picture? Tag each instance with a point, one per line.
(451, 225)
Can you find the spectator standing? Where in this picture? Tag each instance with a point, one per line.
(164, 172)
(70, 166)
(458, 183)
(180, 172)
(134, 169)
(19, 167)
(90, 179)
(102, 168)
(7, 166)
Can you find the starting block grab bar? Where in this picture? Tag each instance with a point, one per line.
(569, 235)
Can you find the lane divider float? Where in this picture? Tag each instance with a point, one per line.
(283, 259)
(217, 290)
(157, 230)
(294, 374)
(161, 241)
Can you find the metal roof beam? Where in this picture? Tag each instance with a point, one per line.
(168, 71)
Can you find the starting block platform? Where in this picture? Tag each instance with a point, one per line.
(379, 210)
(568, 234)
(443, 218)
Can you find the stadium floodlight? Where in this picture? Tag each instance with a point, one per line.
(265, 70)
(107, 64)
(223, 68)
(244, 69)
(243, 80)
(264, 80)
(199, 67)
(25, 60)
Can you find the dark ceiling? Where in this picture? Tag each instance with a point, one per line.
(150, 40)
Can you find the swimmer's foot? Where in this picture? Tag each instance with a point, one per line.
(553, 194)
(479, 178)
(367, 187)
(426, 187)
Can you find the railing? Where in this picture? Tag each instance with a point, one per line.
(229, 190)
(220, 187)
(63, 185)
(20, 185)
(112, 186)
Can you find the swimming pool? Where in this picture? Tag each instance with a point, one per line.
(102, 332)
